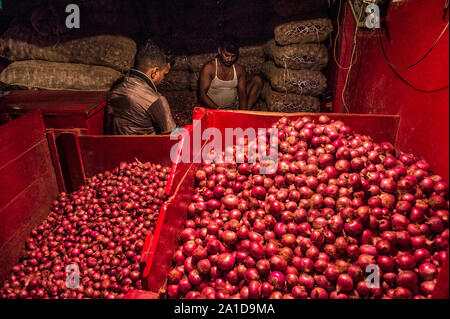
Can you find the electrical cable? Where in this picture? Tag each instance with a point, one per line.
(352, 63)
(402, 78)
(337, 36)
(421, 59)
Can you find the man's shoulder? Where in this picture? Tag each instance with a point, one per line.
(209, 66)
(239, 68)
(133, 92)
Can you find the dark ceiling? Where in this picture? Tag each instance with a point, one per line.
(179, 26)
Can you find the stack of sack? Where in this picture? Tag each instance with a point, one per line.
(296, 57)
(284, 11)
(90, 63)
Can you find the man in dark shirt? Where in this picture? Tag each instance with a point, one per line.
(134, 105)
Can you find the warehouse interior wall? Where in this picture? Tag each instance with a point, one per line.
(372, 87)
(179, 26)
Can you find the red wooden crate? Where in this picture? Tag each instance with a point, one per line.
(27, 173)
(27, 182)
(83, 156)
(62, 110)
(379, 127)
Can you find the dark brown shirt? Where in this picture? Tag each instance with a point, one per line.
(136, 108)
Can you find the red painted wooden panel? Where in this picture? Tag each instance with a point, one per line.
(25, 213)
(70, 161)
(382, 128)
(27, 182)
(102, 153)
(441, 289)
(61, 109)
(22, 208)
(13, 140)
(140, 294)
(51, 138)
(95, 120)
(33, 164)
(54, 102)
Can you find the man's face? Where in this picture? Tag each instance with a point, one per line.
(157, 75)
(227, 58)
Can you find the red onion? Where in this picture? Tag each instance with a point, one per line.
(354, 227)
(355, 272)
(230, 201)
(256, 250)
(407, 279)
(225, 261)
(428, 271)
(319, 293)
(254, 289)
(427, 287)
(331, 272)
(277, 280)
(306, 281)
(399, 222)
(402, 293)
(299, 292)
(404, 260)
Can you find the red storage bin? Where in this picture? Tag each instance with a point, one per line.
(28, 184)
(80, 111)
(173, 214)
(82, 156)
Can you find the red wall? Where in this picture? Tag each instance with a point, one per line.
(413, 28)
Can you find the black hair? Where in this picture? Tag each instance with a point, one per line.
(150, 56)
(229, 45)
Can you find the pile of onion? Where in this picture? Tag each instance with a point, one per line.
(338, 210)
(101, 228)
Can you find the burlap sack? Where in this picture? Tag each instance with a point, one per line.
(302, 82)
(306, 31)
(197, 61)
(181, 63)
(256, 51)
(298, 56)
(252, 64)
(59, 76)
(289, 102)
(193, 80)
(176, 80)
(105, 50)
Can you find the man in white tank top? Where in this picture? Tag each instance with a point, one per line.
(223, 83)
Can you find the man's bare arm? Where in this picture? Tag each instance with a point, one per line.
(205, 79)
(242, 89)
